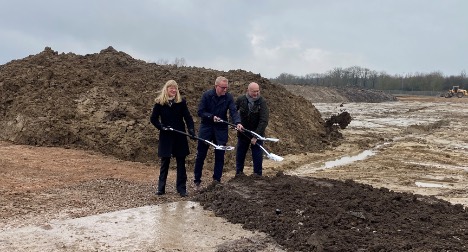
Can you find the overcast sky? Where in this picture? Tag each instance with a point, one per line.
(266, 37)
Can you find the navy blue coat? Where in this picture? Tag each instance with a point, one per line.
(170, 142)
(213, 105)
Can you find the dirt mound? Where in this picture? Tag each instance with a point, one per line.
(103, 101)
(319, 94)
(309, 214)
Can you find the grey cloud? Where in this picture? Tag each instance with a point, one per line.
(394, 36)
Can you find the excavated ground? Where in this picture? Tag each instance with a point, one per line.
(77, 143)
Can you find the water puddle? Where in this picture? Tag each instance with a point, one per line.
(311, 168)
(178, 226)
(348, 160)
(429, 185)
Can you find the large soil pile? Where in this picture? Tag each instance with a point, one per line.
(103, 101)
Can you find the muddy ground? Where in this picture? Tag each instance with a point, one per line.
(395, 198)
(396, 180)
(386, 188)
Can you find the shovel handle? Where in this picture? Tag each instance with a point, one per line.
(251, 132)
(218, 147)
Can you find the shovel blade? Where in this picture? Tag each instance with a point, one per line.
(275, 157)
(226, 148)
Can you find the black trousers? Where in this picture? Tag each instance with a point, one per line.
(181, 181)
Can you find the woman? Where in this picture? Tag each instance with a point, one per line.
(170, 111)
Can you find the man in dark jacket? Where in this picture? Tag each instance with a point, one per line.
(213, 106)
(253, 112)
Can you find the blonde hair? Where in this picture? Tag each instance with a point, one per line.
(163, 97)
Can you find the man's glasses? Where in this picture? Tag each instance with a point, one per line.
(222, 87)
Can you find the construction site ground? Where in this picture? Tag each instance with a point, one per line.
(398, 181)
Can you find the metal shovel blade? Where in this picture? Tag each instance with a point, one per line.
(271, 155)
(221, 147)
(262, 138)
(218, 147)
(275, 157)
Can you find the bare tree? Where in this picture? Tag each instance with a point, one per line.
(162, 62)
(179, 62)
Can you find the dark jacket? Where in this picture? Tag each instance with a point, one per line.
(255, 119)
(213, 105)
(172, 143)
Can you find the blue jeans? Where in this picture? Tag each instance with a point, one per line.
(242, 147)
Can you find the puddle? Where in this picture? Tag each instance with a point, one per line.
(430, 185)
(311, 168)
(348, 160)
(178, 226)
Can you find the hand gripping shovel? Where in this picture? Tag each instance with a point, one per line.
(253, 133)
(269, 155)
(217, 147)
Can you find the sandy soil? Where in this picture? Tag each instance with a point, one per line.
(415, 145)
(421, 147)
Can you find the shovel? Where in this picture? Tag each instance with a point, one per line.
(271, 156)
(217, 147)
(253, 133)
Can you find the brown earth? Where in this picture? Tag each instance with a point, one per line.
(103, 101)
(74, 112)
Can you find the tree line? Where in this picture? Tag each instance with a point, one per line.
(356, 76)
(178, 62)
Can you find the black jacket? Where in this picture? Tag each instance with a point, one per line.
(170, 142)
(256, 119)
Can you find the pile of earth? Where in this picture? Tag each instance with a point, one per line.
(320, 94)
(309, 214)
(103, 101)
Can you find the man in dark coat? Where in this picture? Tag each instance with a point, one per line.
(171, 111)
(213, 106)
(254, 115)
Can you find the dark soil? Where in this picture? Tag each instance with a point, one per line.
(308, 214)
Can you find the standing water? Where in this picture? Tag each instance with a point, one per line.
(178, 226)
